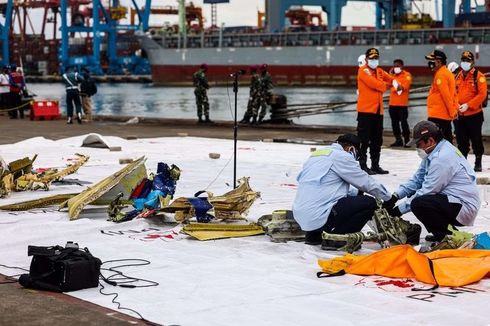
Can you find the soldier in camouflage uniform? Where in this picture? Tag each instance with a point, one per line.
(254, 99)
(266, 90)
(201, 86)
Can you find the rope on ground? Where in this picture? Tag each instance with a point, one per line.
(17, 107)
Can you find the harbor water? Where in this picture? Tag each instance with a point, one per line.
(146, 100)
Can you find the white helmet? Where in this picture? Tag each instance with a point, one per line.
(452, 66)
(361, 61)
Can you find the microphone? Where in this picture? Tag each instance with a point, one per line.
(238, 73)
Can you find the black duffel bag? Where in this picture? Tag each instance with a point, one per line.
(61, 269)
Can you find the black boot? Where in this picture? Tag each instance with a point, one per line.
(478, 164)
(365, 168)
(254, 120)
(398, 142)
(246, 119)
(413, 234)
(376, 168)
(200, 120)
(260, 119)
(406, 140)
(313, 238)
(208, 120)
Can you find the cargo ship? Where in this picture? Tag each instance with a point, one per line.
(307, 58)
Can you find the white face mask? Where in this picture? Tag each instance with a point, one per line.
(354, 153)
(373, 64)
(421, 152)
(397, 70)
(465, 65)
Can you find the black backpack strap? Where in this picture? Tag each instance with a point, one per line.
(323, 274)
(44, 251)
(475, 79)
(431, 266)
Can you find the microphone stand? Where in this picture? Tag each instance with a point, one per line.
(235, 127)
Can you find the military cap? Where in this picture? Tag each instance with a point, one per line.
(372, 53)
(467, 55)
(436, 54)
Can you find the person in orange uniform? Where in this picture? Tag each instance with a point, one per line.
(399, 104)
(471, 86)
(372, 82)
(442, 102)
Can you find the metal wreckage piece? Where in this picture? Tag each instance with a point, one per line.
(212, 231)
(388, 231)
(19, 176)
(37, 203)
(229, 206)
(134, 171)
(281, 226)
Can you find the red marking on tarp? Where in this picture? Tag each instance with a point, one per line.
(401, 284)
(290, 185)
(152, 236)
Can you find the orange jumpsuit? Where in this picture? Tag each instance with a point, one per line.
(472, 90)
(371, 85)
(405, 80)
(442, 102)
(399, 107)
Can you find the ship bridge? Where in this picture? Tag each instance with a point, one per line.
(387, 11)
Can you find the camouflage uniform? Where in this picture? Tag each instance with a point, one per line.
(265, 94)
(254, 99)
(201, 87)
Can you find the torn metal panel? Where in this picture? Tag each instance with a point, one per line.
(77, 203)
(210, 231)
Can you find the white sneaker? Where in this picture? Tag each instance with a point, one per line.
(69, 121)
(79, 117)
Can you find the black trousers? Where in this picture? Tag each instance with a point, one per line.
(468, 128)
(370, 132)
(73, 97)
(436, 213)
(399, 116)
(446, 128)
(15, 100)
(349, 215)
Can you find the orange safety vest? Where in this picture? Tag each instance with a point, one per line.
(442, 102)
(451, 267)
(469, 93)
(405, 80)
(371, 85)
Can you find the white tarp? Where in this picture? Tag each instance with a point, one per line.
(241, 281)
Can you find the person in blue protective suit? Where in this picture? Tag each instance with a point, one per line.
(330, 192)
(443, 190)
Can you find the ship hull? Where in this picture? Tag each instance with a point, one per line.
(298, 65)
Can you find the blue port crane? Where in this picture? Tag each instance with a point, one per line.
(7, 9)
(387, 11)
(105, 28)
